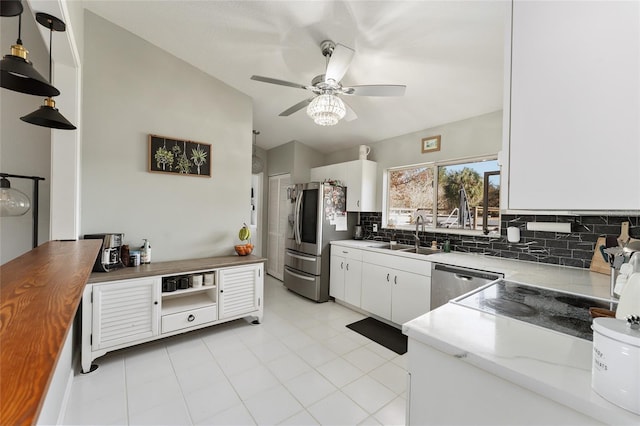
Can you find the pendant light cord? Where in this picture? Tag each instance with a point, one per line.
(50, 47)
(19, 40)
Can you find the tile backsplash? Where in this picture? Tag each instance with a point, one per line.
(573, 249)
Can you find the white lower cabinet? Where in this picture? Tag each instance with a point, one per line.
(240, 291)
(395, 288)
(345, 275)
(125, 311)
(118, 314)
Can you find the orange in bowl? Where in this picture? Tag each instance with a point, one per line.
(244, 249)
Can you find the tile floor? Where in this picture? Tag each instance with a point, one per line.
(301, 366)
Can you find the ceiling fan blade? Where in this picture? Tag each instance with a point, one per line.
(375, 90)
(350, 115)
(276, 81)
(296, 107)
(338, 63)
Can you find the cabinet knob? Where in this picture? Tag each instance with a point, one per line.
(191, 317)
(155, 303)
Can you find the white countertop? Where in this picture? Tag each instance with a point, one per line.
(555, 365)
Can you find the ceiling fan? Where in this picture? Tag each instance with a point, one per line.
(326, 108)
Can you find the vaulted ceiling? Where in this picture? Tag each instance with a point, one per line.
(449, 54)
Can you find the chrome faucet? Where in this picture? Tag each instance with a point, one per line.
(419, 219)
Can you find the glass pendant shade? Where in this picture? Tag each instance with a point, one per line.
(12, 201)
(48, 116)
(326, 110)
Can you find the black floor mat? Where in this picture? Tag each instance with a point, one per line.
(384, 334)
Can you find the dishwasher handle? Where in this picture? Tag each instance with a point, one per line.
(466, 274)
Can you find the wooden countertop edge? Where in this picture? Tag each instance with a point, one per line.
(40, 294)
(173, 267)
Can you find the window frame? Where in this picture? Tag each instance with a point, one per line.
(434, 165)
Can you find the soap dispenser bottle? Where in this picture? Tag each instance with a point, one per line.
(145, 252)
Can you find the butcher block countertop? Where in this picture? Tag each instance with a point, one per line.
(39, 295)
(173, 267)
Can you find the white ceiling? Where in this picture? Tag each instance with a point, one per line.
(449, 54)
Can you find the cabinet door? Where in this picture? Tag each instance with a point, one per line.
(376, 290)
(353, 282)
(575, 103)
(336, 277)
(125, 312)
(240, 290)
(361, 185)
(410, 296)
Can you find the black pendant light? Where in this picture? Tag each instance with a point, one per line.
(10, 7)
(48, 115)
(16, 71)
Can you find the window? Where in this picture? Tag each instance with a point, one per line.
(463, 195)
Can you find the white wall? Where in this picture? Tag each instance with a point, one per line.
(25, 149)
(132, 89)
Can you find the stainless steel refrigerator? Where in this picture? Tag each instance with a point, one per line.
(319, 216)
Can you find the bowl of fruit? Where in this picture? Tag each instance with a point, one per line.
(245, 248)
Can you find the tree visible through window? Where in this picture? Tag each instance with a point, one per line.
(459, 197)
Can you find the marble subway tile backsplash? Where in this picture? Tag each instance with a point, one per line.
(572, 249)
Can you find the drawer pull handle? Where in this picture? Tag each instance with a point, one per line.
(191, 318)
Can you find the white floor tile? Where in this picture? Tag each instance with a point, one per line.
(342, 343)
(303, 418)
(321, 332)
(268, 351)
(139, 370)
(369, 394)
(392, 376)
(370, 421)
(380, 350)
(316, 354)
(272, 406)
(297, 340)
(337, 409)
(288, 367)
(199, 376)
(237, 415)
(394, 413)
(207, 402)
(340, 372)
(364, 359)
(107, 410)
(309, 387)
(253, 381)
(143, 396)
(169, 413)
(237, 361)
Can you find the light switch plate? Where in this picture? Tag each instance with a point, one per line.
(375, 227)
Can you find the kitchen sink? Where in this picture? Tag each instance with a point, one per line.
(401, 247)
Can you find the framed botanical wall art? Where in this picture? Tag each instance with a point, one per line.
(431, 144)
(177, 156)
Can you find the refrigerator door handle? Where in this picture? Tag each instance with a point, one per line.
(302, 277)
(297, 256)
(297, 230)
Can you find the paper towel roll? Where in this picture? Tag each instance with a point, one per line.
(549, 227)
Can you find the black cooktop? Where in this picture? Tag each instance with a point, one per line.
(562, 312)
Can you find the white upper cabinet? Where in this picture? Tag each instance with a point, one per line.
(361, 185)
(572, 129)
(359, 176)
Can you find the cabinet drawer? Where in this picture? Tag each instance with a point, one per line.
(188, 319)
(348, 252)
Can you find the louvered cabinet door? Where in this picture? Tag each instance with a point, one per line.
(125, 312)
(240, 290)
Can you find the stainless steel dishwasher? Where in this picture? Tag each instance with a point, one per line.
(449, 282)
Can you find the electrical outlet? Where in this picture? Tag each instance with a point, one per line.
(375, 227)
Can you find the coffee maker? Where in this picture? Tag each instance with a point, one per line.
(109, 257)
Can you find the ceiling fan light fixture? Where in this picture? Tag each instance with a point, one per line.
(326, 110)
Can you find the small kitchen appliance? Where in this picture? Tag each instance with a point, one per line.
(110, 255)
(357, 233)
(615, 369)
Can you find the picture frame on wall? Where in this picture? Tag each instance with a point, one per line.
(431, 144)
(178, 156)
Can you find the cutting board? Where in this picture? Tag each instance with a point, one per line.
(597, 261)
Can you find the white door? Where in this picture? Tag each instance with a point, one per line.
(410, 296)
(239, 290)
(256, 213)
(336, 277)
(278, 212)
(377, 283)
